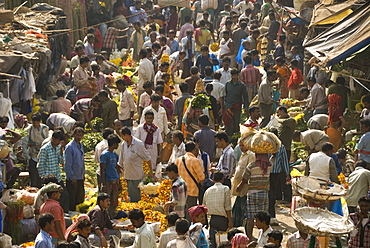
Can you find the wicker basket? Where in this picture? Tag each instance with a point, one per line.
(321, 222)
(311, 189)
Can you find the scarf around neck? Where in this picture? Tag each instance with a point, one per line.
(150, 130)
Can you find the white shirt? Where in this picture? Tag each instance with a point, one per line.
(158, 76)
(141, 135)
(166, 51)
(167, 236)
(145, 72)
(242, 6)
(225, 75)
(160, 118)
(177, 151)
(262, 237)
(218, 89)
(126, 105)
(145, 237)
(148, 43)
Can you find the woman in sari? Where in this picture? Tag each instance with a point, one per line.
(284, 74)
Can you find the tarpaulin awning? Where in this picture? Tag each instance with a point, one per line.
(342, 39)
(330, 14)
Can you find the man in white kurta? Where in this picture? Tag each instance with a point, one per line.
(150, 134)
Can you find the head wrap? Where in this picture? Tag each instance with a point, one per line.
(73, 228)
(240, 240)
(197, 210)
(262, 160)
(51, 187)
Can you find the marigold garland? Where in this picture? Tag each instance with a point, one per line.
(123, 195)
(28, 244)
(164, 191)
(146, 167)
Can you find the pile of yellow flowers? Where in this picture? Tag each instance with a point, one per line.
(155, 216)
(131, 89)
(214, 47)
(117, 61)
(129, 63)
(89, 203)
(296, 173)
(146, 167)
(342, 180)
(123, 195)
(28, 244)
(164, 190)
(298, 117)
(263, 147)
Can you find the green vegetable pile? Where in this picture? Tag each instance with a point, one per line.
(97, 124)
(201, 101)
(299, 150)
(90, 140)
(90, 169)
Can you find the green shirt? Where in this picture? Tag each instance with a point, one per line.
(109, 113)
(184, 11)
(236, 92)
(286, 131)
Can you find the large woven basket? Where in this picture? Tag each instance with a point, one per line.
(315, 191)
(321, 222)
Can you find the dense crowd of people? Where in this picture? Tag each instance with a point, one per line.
(244, 59)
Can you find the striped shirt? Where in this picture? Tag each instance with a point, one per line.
(250, 75)
(49, 160)
(227, 162)
(179, 193)
(280, 161)
(257, 181)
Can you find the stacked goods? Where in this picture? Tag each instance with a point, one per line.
(259, 141)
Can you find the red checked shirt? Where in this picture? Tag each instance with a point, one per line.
(360, 238)
(110, 38)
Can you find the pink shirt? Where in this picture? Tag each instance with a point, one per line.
(61, 105)
(53, 207)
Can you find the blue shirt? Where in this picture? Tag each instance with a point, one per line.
(110, 159)
(363, 147)
(74, 165)
(203, 61)
(43, 240)
(174, 46)
(135, 16)
(206, 139)
(281, 163)
(49, 160)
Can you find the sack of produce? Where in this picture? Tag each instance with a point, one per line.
(259, 141)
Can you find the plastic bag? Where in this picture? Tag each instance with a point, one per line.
(209, 4)
(239, 58)
(5, 240)
(273, 122)
(259, 141)
(28, 212)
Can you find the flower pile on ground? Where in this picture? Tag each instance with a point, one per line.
(89, 203)
(28, 244)
(164, 191)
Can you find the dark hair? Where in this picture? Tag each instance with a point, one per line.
(61, 93)
(365, 122)
(160, 83)
(149, 112)
(121, 81)
(256, 31)
(202, 23)
(103, 93)
(36, 117)
(247, 60)
(277, 235)
(194, 70)
(328, 83)
(296, 134)
(178, 134)
(182, 226)
(294, 62)
(147, 85)
(243, 25)
(311, 79)
(113, 139)
(204, 48)
(163, 38)
(58, 135)
(273, 130)
(79, 124)
(50, 193)
(78, 47)
(143, 52)
(327, 147)
(340, 80)
(209, 87)
(78, 130)
(228, 22)
(90, 36)
(155, 98)
(99, 57)
(102, 197)
(364, 199)
(283, 108)
(341, 153)
(218, 176)
(106, 132)
(136, 214)
(226, 59)
(190, 146)
(66, 244)
(172, 167)
(263, 216)
(136, 23)
(208, 70)
(45, 218)
(269, 245)
(182, 53)
(84, 59)
(266, 66)
(304, 89)
(252, 109)
(217, 75)
(234, 71)
(366, 99)
(204, 119)
(184, 87)
(156, 45)
(231, 233)
(280, 59)
(222, 136)
(165, 63)
(125, 130)
(95, 67)
(172, 218)
(361, 163)
(49, 178)
(83, 223)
